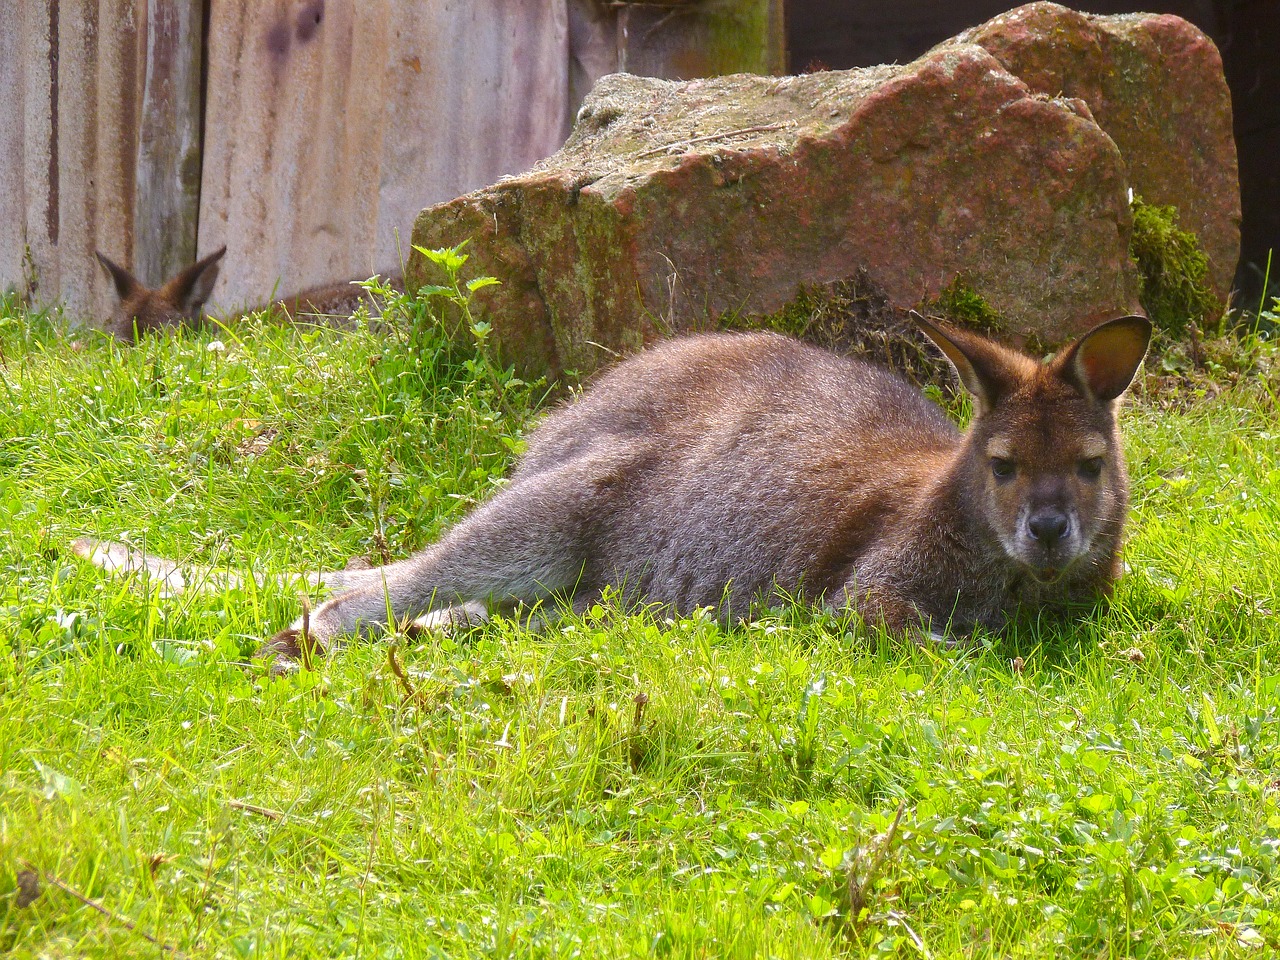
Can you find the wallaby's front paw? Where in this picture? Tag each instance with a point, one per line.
(289, 650)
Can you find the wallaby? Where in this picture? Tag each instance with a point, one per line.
(180, 301)
(721, 468)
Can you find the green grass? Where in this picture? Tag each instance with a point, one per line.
(1103, 788)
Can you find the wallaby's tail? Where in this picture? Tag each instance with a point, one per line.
(170, 577)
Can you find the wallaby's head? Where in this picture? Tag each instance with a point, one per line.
(176, 302)
(1041, 463)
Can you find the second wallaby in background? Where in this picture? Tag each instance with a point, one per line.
(180, 301)
(718, 469)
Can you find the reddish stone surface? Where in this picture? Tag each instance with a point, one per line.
(674, 204)
(1155, 85)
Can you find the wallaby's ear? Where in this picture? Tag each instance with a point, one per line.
(191, 288)
(987, 370)
(1103, 362)
(126, 283)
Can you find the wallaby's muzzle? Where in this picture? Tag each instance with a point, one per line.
(1049, 527)
(1049, 541)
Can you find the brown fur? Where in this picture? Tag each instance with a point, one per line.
(335, 302)
(180, 301)
(718, 469)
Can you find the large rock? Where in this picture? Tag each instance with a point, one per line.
(673, 205)
(1155, 85)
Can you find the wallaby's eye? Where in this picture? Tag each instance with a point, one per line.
(1091, 469)
(1002, 468)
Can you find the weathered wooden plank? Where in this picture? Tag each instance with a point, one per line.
(67, 104)
(330, 125)
(167, 202)
(28, 178)
(12, 145)
(121, 59)
(76, 152)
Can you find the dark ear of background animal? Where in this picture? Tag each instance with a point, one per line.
(191, 288)
(1103, 362)
(126, 284)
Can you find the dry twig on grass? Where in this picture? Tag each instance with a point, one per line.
(110, 914)
(254, 808)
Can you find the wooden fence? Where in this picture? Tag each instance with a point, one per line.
(303, 134)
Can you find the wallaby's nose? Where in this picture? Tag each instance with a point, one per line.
(1048, 526)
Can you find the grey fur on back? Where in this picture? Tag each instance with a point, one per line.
(727, 460)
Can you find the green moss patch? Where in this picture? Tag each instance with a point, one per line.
(1173, 271)
(963, 306)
